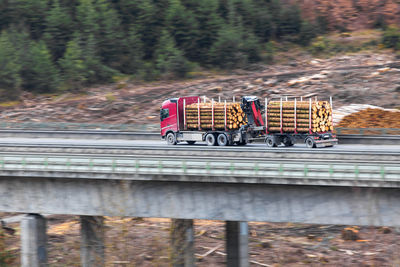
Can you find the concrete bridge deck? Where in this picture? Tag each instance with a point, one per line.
(343, 188)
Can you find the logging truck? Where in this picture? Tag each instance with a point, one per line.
(192, 119)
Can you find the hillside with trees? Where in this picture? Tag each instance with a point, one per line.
(59, 45)
(350, 15)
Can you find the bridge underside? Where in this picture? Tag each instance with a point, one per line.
(196, 200)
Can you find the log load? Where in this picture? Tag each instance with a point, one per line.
(321, 116)
(235, 117)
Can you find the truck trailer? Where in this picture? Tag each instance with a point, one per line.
(191, 120)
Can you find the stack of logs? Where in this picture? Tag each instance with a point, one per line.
(235, 117)
(321, 116)
(372, 118)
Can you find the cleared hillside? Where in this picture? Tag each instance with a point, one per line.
(361, 78)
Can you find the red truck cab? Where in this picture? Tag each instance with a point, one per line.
(168, 116)
(171, 114)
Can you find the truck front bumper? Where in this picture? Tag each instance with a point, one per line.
(326, 142)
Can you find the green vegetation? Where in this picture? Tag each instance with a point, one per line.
(391, 37)
(49, 45)
(10, 80)
(52, 45)
(346, 42)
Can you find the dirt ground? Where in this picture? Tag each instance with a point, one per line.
(145, 242)
(362, 78)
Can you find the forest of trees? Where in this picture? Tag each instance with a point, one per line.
(48, 45)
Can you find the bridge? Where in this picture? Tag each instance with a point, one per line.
(357, 185)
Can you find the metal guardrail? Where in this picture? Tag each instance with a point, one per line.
(200, 167)
(65, 126)
(368, 131)
(77, 126)
(151, 132)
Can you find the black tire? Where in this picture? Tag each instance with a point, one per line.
(171, 139)
(210, 140)
(241, 143)
(310, 143)
(222, 140)
(191, 142)
(287, 141)
(270, 141)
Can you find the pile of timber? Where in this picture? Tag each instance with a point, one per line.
(235, 117)
(321, 116)
(372, 118)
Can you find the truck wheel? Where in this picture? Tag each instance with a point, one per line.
(270, 141)
(310, 143)
(171, 140)
(241, 143)
(191, 142)
(287, 141)
(222, 140)
(210, 140)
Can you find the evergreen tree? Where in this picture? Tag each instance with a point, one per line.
(59, 28)
(96, 70)
(73, 66)
(10, 79)
(209, 24)
(391, 37)
(109, 36)
(39, 73)
(290, 21)
(36, 68)
(235, 48)
(223, 9)
(169, 59)
(251, 47)
(5, 15)
(147, 25)
(183, 28)
(86, 18)
(191, 5)
(233, 18)
(226, 51)
(246, 10)
(92, 40)
(275, 9)
(262, 22)
(132, 59)
(20, 37)
(32, 13)
(307, 32)
(135, 12)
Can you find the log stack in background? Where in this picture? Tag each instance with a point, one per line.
(321, 116)
(235, 117)
(372, 118)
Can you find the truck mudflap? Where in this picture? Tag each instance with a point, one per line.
(326, 142)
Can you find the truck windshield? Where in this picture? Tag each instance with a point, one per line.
(164, 113)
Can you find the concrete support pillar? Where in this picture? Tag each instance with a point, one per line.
(237, 244)
(92, 241)
(182, 243)
(33, 241)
